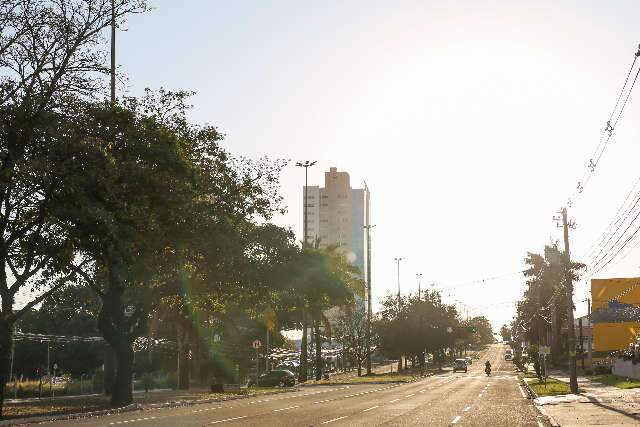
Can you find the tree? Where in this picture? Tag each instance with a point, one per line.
(505, 333)
(49, 54)
(350, 330)
(543, 308)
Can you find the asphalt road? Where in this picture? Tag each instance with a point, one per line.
(461, 399)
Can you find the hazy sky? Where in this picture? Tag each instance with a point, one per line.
(471, 121)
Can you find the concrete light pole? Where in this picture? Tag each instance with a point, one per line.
(368, 228)
(397, 260)
(302, 375)
(419, 277)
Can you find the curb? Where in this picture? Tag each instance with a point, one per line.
(533, 395)
(131, 408)
(48, 418)
(414, 379)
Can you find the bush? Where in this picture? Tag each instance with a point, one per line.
(602, 370)
(146, 381)
(172, 381)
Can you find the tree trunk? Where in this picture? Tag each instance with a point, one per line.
(183, 356)
(400, 364)
(319, 364)
(359, 367)
(302, 374)
(122, 394)
(109, 369)
(6, 339)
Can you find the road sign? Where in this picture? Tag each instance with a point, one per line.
(256, 344)
(543, 349)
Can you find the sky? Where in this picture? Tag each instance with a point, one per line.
(470, 121)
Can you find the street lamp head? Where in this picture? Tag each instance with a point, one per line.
(306, 163)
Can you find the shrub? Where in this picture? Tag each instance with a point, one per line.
(602, 370)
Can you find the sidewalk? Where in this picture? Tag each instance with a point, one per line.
(597, 404)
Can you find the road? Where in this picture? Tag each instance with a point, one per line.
(461, 399)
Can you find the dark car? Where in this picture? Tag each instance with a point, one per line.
(275, 378)
(459, 365)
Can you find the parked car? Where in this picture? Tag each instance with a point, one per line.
(275, 378)
(460, 365)
(468, 360)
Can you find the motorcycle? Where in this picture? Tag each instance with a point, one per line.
(487, 370)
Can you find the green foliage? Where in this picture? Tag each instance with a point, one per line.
(415, 326)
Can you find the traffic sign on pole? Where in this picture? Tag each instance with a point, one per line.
(256, 344)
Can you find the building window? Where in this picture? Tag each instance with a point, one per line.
(324, 196)
(324, 205)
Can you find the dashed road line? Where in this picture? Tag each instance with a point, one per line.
(393, 401)
(456, 419)
(409, 395)
(228, 419)
(467, 409)
(131, 421)
(369, 409)
(285, 409)
(335, 419)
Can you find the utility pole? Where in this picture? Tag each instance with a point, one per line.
(113, 53)
(573, 380)
(397, 260)
(302, 374)
(590, 337)
(368, 228)
(419, 276)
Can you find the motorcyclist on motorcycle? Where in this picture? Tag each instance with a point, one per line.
(487, 367)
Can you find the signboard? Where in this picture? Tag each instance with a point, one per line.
(256, 344)
(543, 349)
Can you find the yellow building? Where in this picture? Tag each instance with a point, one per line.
(615, 305)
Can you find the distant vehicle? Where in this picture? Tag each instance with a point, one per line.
(468, 360)
(460, 365)
(275, 378)
(508, 355)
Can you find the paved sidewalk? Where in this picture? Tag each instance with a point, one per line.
(597, 404)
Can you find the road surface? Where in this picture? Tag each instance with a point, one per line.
(449, 399)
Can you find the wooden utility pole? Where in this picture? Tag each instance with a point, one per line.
(571, 331)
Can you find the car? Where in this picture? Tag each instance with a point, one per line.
(460, 365)
(468, 360)
(274, 378)
(508, 356)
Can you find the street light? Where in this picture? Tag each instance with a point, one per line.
(306, 165)
(397, 260)
(302, 375)
(368, 228)
(419, 276)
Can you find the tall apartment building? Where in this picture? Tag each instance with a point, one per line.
(337, 214)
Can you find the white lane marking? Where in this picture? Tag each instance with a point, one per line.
(522, 391)
(368, 409)
(422, 391)
(335, 419)
(409, 395)
(467, 409)
(322, 401)
(480, 395)
(284, 409)
(228, 419)
(456, 419)
(393, 401)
